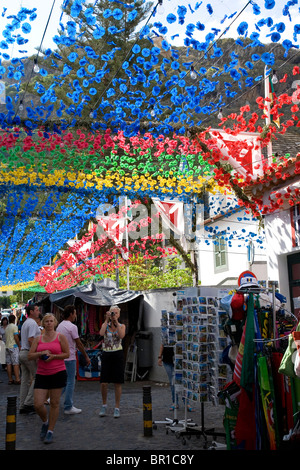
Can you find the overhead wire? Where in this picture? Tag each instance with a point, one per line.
(35, 60)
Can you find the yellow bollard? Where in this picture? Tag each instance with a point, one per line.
(11, 423)
(147, 411)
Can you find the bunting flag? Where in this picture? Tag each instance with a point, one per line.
(172, 214)
(113, 228)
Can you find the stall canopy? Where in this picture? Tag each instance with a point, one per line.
(100, 293)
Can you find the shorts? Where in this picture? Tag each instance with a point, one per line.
(112, 367)
(47, 382)
(12, 356)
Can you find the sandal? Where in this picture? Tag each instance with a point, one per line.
(17, 382)
(10, 382)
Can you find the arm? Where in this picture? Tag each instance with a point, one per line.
(17, 340)
(121, 330)
(104, 324)
(31, 339)
(82, 350)
(33, 354)
(160, 354)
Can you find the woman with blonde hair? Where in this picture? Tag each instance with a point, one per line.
(50, 349)
(112, 361)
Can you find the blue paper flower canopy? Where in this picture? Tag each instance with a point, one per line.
(92, 74)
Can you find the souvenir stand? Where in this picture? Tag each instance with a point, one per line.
(193, 330)
(262, 399)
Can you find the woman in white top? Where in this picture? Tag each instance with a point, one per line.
(112, 361)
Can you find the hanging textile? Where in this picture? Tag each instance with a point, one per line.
(268, 400)
(92, 320)
(84, 317)
(244, 365)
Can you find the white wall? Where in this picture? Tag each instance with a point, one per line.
(238, 234)
(154, 302)
(278, 246)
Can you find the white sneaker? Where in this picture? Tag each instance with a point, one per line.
(103, 411)
(72, 411)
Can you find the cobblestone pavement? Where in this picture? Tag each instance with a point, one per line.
(88, 431)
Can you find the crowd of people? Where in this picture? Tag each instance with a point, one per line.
(40, 354)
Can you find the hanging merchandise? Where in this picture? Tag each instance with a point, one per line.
(287, 363)
(296, 338)
(265, 368)
(268, 400)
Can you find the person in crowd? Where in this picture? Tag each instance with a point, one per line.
(112, 361)
(50, 350)
(70, 331)
(3, 326)
(39, 322)
(13, 346)
(30, 330)
(166, 358)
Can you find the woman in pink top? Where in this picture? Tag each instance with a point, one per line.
(50, 350)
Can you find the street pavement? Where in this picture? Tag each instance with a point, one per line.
(89, 431)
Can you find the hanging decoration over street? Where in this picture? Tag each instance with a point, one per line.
(158, 115)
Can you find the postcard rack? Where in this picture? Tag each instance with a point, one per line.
(193, 329)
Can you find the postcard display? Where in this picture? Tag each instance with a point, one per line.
(195, 329)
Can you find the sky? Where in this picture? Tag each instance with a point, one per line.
(219, 19)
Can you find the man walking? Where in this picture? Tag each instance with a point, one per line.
(29, 331)
(67, 328)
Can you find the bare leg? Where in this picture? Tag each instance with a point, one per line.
(17, 372)
(103, 388)
(118, 393)
(9, 372)
(55, 395)
(39, 399)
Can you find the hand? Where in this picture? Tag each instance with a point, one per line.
(46, 352)
(87, 360)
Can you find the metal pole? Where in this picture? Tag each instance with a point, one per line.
(11, 423)
(126, 239)
(268, 114)
(273, 284)
(117, 272)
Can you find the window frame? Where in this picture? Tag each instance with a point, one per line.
(219, 250)
(295, 225)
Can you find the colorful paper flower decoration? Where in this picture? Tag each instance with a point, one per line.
(143, 135)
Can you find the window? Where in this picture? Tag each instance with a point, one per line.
(295, 224)
(220, 252)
